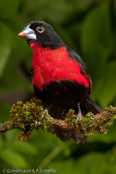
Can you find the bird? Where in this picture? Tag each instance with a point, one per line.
(59, 76)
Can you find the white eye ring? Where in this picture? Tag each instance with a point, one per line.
(40, 29)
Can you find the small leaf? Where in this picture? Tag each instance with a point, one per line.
(13, 158)
(25, 147)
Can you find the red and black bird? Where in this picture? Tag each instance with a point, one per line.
(59, 75)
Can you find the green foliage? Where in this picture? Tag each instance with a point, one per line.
(89, 163)
(89, 27)
(97, 45)
(13, 158)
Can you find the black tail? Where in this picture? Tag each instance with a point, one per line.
(56, 112)
(87, 105)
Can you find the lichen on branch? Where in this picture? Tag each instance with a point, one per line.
(28, 117)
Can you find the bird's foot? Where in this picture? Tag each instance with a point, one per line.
(45, 112)
(78, 117)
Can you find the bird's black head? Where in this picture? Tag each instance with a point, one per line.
(42, 33)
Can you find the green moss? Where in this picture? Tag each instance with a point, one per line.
(28, 116)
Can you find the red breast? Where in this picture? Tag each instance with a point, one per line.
(54, 65)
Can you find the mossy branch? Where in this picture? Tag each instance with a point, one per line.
(28, 117)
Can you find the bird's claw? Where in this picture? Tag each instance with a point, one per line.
(78, 117)
(45, 112)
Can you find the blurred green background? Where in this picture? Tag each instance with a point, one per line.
(87, 26)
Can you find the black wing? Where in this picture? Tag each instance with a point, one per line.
(72, 54)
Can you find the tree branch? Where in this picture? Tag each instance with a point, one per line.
(28, 116)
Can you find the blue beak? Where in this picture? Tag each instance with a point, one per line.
(28, 33)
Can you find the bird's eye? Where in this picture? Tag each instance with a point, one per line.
(40, 29)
